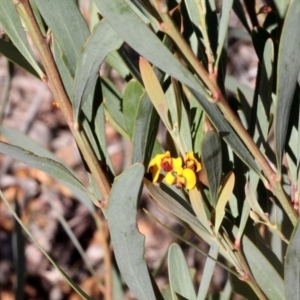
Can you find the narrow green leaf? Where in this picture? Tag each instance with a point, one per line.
(223, 27)
(264, 273)
(174, 103)
(179, 275)
(155, 92)
(239, 11)
(113, 105)
(115, 60)
(68, 26)
(89, 126)
(298, 155)
(292, 153)
(179, 195)
(184, 127)
(145, 131)
(99, 130)
(102, 40)
(242, 288)
(278, 218)
(50, 166)
(246, 113)
(130, 63)
(38, 17)
(264, 97)
(127, 241)
(193, 11)
(234, 206)
(179, 115)
(197, 121)
(259, 39)
(118, 291)
(282, 6)
(232, 84)
(227, 291)
(195, 43)
(131, 97)
(208, 272)
(12, 25)
(93, 123)
(209, 21)
(244, 219)
(63, 70)
(250, 196)
(287, 75)
(292, 266)
(166, 292)
(212, 163)
(14, 55)
(225, 193)
(76, 288)
(181, 209)
(197, 204)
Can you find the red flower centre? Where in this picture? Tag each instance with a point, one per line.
(166, 165)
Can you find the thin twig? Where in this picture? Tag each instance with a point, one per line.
(103, 232)
(55, 83)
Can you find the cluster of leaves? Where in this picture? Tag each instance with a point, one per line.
(184, 87)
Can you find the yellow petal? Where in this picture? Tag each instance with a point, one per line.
(170, 179)
(189, 155)
(190, 178)
(179, 170)
(177, 163)
(167, 154)
(198, 166)
(156, 160)
(192, 162)
(155, 173)
(152, 162)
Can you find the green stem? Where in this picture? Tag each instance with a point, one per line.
(245, 272)
(103, 235)
(278, 232)
(218, 98)
(278, 191)
(54, 81)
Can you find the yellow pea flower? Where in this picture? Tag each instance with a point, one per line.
(191, 162)
(163, 162)
(182, 178)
